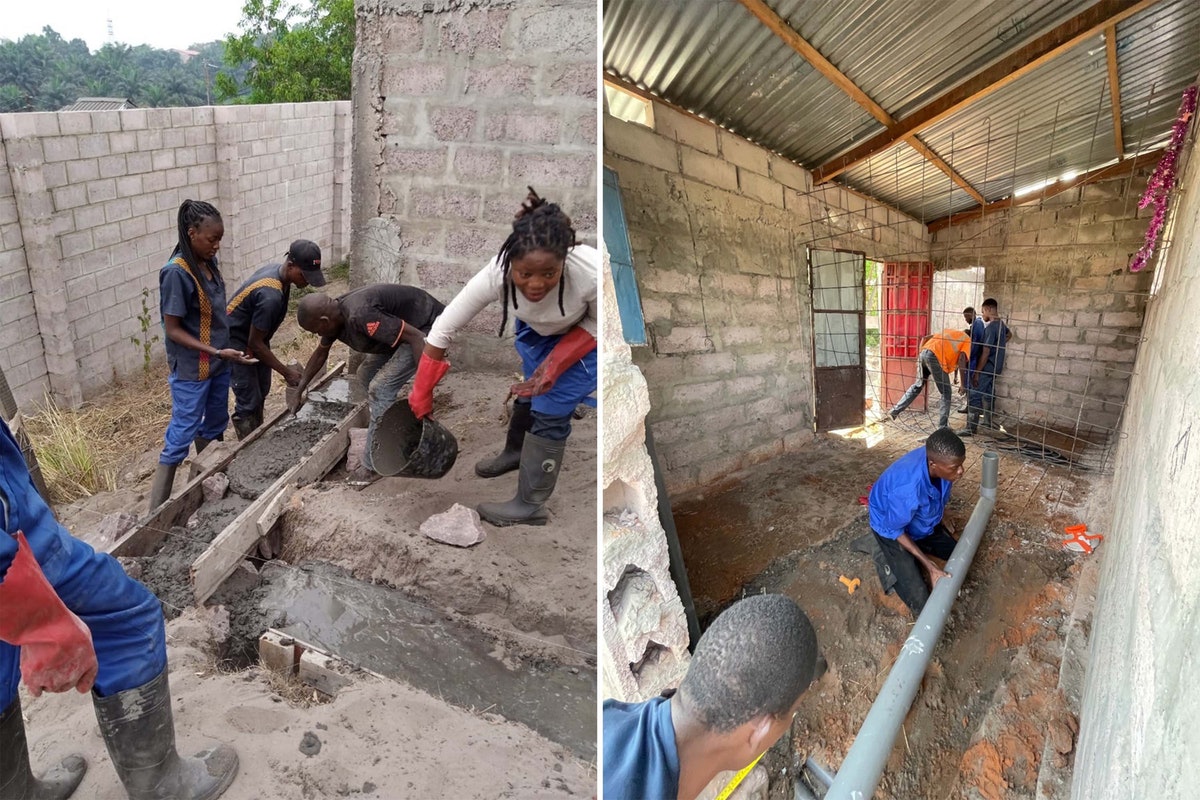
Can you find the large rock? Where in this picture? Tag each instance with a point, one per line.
(460, 526)
(354, 453)
(215, 487)
(110, 529)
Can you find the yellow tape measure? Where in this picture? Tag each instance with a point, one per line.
(737, 779)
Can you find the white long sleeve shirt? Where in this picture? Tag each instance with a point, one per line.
(581, 273)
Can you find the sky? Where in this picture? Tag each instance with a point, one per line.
(165, 25)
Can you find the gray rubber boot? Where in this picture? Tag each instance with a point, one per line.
(972, 422)
(16, 777)
(510, 457)
(541, 460)
(164, 480)
(139, 732)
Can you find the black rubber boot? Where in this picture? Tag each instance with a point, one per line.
(16, 777)
(140, 734)
(541, 460)
(201, 443)
(972, 422)
(242, 426)
(164, 480)
(510, 457)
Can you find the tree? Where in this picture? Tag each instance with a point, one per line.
(294, 54)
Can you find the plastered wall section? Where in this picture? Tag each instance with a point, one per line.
(88, 205)
(1058, 270)
(1137, 725)
(644, 630)
(719, 229)
(457, 109)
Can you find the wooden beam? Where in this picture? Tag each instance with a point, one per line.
(142, 540)
(1111, 171)
(936, 160)
(221, 558)
(1114, 87)
(1017, 64)
(779, 26)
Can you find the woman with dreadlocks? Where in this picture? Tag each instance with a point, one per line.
(548, 283)
(192, 307)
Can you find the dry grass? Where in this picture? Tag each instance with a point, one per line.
(82, 451)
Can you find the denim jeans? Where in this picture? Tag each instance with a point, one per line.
(928, 367)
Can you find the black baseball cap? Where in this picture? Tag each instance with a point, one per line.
(307, 256)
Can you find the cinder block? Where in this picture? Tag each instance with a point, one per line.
(112, 166)
(790, 174)
(570, 81)
(452, 123)
(565, 170)
(75, 243)
(710, 365)
(639, 143)
(478, 164)
(742, 153)
(683, 339)
(760, 187)
(1120, 319)
(68, 197)
(323, 673)
(105, 121)
(101, 190)
(74, 123)
(60, 148)
(529, 126)
(278, 653)
(687, 130)
(503, 80)
(708, 169)
(89, 216)
(93, 145)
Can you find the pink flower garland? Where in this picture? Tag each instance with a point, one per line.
(1162, 182)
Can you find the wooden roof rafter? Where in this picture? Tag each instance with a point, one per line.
(780, 27)
(1123, 167)
(1085, 25)
(1114, 88)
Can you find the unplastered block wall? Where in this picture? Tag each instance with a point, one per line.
(1058, 269)
(719, 229)
(645, 633)
(458, 107)
(1140, 700)
(91, 218)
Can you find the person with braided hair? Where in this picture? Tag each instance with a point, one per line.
(192, 307)
(548, 282)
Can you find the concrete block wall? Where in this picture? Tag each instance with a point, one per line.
(457, 108)
(719, 229)
(89, 203)
(1058, 270)
(644, 630)
(1137, 721)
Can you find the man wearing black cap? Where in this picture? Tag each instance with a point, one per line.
(256, 311)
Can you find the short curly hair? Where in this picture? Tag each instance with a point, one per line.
(757, 658)
(944, 445)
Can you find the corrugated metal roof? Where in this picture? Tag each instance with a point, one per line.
(714, 58)
(100, 104)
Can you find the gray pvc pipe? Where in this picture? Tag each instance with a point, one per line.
(863, 765)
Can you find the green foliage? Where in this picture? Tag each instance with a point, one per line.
(295, 54)
(44, 72)
(145, 341)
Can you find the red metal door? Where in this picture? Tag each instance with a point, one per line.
(907, 290)
(836, 279)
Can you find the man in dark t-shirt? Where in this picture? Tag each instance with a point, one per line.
(990, 365)
(255, 312)
(385, 321)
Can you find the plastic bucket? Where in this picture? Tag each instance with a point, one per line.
(409, 447)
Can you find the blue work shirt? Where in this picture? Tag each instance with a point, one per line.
(995, 337)
(906, 500)
(261, 301)
(977, 329)
(640, 759)
(23, 509)
(179, 296)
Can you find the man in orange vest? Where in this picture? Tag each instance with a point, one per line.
(941, 354)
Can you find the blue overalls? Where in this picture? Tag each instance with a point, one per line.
(125, 618)
(552, 410)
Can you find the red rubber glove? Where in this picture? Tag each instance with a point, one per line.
(56, 647)
(429, 372)
(574, 345)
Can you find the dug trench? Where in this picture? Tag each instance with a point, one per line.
(505, 627)
(994, 713)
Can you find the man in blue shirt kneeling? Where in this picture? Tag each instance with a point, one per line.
(906, 506)
(739, 696)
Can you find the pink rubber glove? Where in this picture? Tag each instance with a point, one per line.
(56, 647)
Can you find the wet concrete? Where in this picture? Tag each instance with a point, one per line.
(168, 572)
(260, 464)
(376, 628)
